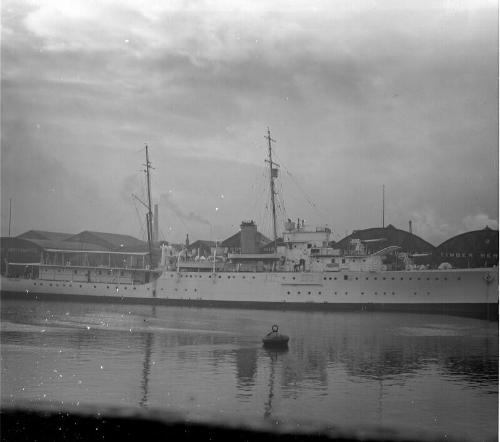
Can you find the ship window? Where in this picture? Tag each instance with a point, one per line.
(122, 273)
(366, 278)
(98, 272)
(324, 279)
(393, 278)
(333, 260)
(309, 246)
(330, 278)
(345, 277)
(376, 293)
(335, 278)
(375, 278)
(76, 272)
(308, 293)
(298, 293)
(319, 293)
(95, 286)
(409, 279)
(107, 286)
(356, 278)
(287, 293)
(362, 293)
(383, 278)
(459, 278)
(343, 260)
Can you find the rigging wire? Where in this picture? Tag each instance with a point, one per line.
(309, 200)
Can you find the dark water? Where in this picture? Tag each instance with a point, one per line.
(423, 372)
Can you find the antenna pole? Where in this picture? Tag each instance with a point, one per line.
(383, 205)
(10, 213)
(149, 216)
(271, 175)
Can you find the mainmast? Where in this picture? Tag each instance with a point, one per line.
(272, 175)
(149, 216)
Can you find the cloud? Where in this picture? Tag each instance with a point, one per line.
(357, 95)
(479, 221)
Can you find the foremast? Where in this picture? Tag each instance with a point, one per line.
(149, 215)
(273, 173)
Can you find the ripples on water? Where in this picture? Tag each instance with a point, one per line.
(413, 371)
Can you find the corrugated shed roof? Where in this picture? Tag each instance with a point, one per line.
(476, 239)
(389, 236)
(44, 235)
(111, 241)
(67, 245)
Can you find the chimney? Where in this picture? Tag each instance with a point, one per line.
(155, 224)
(248, 238)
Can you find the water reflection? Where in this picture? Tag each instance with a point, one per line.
(392, 369)
(273, 354)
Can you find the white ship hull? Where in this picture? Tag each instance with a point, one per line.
(472, 292)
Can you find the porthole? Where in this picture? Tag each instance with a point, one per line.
(34, 283)
(382, 278)
(308, 293)
(366, 278)
(402, 279)
(292, 277)
(51, 285)
(319, 293)
(298, 293)
(95, 286)
(393, 278)
(220, 277)
(362, 293)
(346, 293)
(287, 293)
(409, 279)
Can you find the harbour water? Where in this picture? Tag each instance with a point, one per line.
(404, 371)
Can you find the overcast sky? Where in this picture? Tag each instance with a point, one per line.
(357, 94)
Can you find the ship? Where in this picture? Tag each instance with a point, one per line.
(301, 271)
